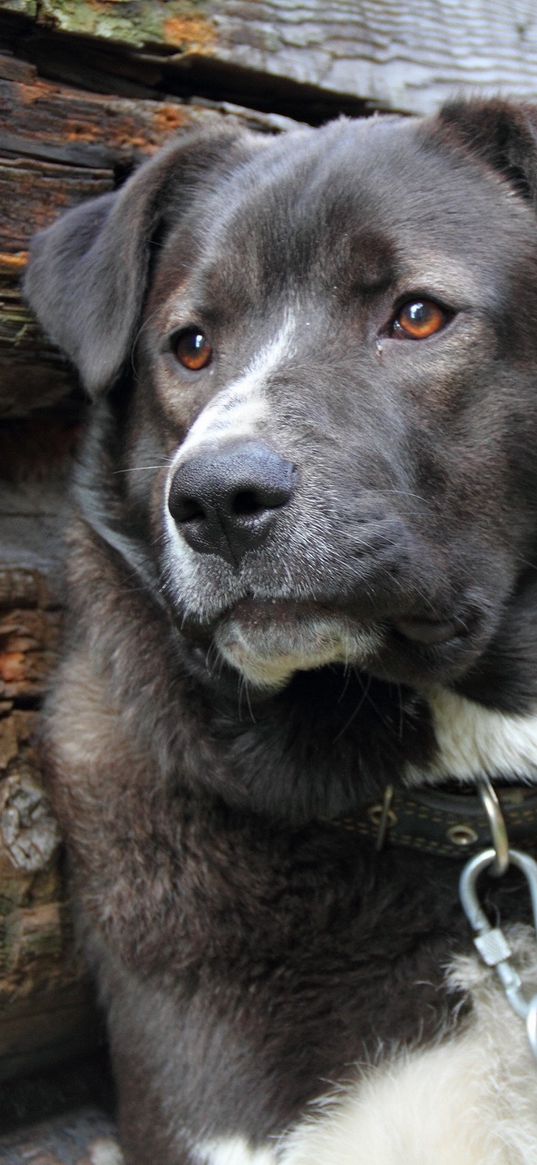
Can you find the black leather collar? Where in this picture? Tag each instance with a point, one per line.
(446, 820)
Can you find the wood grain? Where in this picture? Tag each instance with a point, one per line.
(407, 57)
(47, 121)
(46, 1009)
(33, 374)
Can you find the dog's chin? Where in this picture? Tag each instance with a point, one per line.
(267, 642)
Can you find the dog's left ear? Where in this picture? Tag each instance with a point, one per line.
(503, 134)
(87, 275)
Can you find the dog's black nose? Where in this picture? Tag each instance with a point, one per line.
(225, 501)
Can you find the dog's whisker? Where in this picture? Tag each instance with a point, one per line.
(401, 711)
(346, 679)
(241, 692)
(248, 701)
(142, 468)
(526, 562)
(145, 324)
(404, 493)
(365, 685)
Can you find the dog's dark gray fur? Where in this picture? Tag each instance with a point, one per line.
(248, 950)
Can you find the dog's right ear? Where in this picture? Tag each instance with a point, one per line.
(87, 273)
(502, 133)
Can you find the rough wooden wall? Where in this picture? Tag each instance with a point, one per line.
(405, 56)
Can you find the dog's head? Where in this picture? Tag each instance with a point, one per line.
(321, 350)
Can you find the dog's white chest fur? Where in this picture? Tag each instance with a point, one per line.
(473, 739)
(472, 1100)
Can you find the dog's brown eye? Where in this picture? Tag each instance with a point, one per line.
(419, 319)
(192, 349)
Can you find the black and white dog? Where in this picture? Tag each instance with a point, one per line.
(302, 574)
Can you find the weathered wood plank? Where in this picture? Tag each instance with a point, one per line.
(47, 122)
(25, 7)
(35, 457)
(183, 24)
(44, 190)
(407, 57)
(33, 374)
(28, 645)
(24, 588)
(42, 120)
(46, 1005)
(46, 1009)
(51, 1025)
(11, 69)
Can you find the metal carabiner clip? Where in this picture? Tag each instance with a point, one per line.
(491, 942)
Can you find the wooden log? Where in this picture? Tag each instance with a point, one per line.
(404, 57)
(28, 834)
(33, 374)
(35, 456)
(23, 588)
(64, 125)
(55, 1023)
(46, 1008)
(46, 1005)
(28, 645)
(29, 842)
(137, 23)
(44, 189)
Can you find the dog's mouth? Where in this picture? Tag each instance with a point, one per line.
(269, 640)
(429, 632)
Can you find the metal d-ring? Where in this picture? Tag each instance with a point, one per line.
(497, 826)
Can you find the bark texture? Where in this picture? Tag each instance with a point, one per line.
(407, 57)
(45, 1000)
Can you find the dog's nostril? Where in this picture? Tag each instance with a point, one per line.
(187, 510)
(247, 502)
(250, 502)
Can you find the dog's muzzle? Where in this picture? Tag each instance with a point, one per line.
(225, 501)
(276, 592)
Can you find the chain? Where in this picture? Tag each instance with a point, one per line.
(490, 941)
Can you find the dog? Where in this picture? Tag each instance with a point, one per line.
(302, 609)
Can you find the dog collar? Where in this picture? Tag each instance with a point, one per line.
(443, 821)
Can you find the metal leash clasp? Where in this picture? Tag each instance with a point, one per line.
(490, 941)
